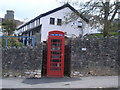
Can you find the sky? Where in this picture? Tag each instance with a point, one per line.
(26, 10)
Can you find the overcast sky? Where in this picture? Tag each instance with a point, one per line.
(28, 9)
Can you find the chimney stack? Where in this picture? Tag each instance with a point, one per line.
(9, 15)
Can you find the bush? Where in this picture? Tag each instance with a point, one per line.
(12, 42)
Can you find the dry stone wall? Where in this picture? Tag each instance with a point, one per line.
(20, 60)
(96, 56)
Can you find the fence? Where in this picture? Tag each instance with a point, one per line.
(26, 40)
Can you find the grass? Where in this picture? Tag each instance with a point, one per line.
(94, 35)
(99, 35)
(114, 33)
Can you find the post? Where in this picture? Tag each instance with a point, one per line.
(23, 39)
(6, 41)
(33, 41)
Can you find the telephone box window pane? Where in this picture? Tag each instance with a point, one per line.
(53, 64)
(52, 21)
(55, 56)
(55, 48)
(55, 60)
(56, 52)
(57, 44)
(56, 40)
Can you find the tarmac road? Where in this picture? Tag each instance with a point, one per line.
(66, 82)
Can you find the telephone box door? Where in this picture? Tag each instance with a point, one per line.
(55, 55)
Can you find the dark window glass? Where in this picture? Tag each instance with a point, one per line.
(55, 52)
(56, 40)
(59, 21)
(52, 21)
(55, 60)
(54, 56)
(54, 64)
(56, 44)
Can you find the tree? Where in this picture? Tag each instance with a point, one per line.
(101, 11)
(8, 26)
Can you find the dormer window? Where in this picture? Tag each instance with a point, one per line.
(52, 21)
(59, 22)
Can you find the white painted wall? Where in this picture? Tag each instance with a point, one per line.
(1, 33)
(69, 28)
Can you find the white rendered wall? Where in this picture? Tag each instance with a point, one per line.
(46, 27)
(68, 28)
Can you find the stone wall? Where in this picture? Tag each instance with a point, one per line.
(20, 60)
(96, 56)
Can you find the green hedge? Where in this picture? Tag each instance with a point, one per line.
(12, 42)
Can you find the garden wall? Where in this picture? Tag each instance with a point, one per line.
(96, 56)
(20, 60)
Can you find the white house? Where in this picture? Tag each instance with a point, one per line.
(1, 27)
(56, 20)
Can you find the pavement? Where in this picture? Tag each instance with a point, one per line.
(66, 82)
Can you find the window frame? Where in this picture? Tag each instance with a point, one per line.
(52, 21)
(59, 22)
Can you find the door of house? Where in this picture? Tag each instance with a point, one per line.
(55, 54)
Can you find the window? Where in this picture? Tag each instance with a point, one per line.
(55, 40)
(59, 21)
(55, 60)
(52, 21)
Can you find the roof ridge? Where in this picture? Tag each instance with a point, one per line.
(54, 10)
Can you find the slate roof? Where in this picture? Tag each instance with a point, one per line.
(54, 10)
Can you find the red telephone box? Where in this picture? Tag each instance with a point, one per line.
(55, 54)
